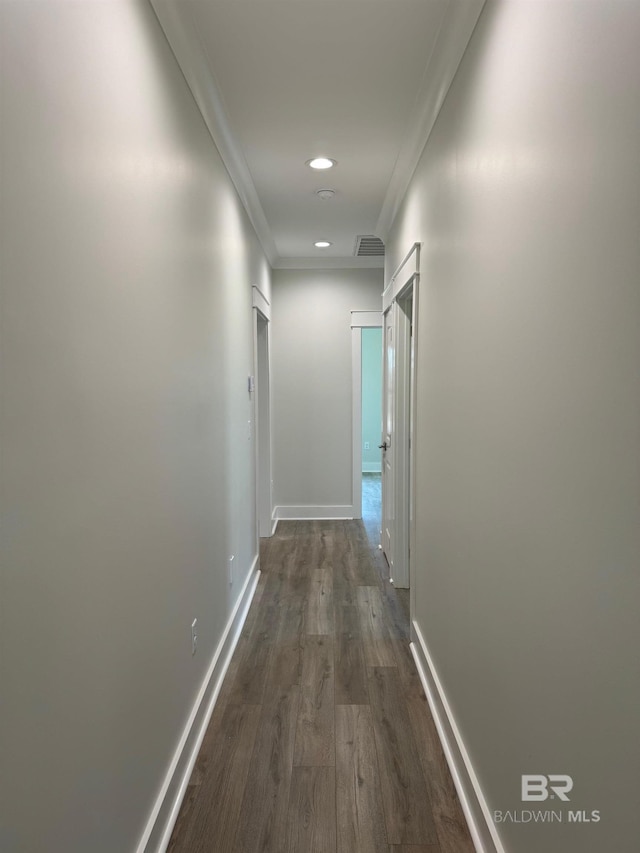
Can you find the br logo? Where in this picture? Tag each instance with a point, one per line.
(537, 787)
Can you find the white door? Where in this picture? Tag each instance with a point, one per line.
(388, 440)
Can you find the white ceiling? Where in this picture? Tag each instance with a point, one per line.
(282, 81)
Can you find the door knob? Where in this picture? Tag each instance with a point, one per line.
(382, 446)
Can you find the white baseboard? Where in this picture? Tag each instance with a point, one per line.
(482, 828)
(164, 814)
(312, 513)
(371, 468)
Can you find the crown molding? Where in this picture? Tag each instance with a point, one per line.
(176, 22)
(456, 28)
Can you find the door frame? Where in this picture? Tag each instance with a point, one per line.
(387, 527)
(261, 391)
(359, 320)
(404, 286)
(403, 397)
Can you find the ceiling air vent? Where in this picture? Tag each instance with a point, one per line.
(368, 246)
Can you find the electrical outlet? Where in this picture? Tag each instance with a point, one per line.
(231, 559)
(367, 446)
(194, 636)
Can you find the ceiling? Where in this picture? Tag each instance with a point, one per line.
(281, 81)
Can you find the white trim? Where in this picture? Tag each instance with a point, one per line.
(455, 32)
(261, 302)
(403, 480)
(167, 806)
(366, 319)
(400, 492)
(312, 513)
(413, 442)
(261, 407)
(398, 283)
(356, 418)
(483, 831)
(371, 468)
(312, 263)
(414, 252)
(387, 515)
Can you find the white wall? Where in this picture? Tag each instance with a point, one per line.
(526, 200)
(311, 390)
(127, 265)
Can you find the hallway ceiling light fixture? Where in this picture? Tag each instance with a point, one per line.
(321, 163)
(325, 194)
(322, 244)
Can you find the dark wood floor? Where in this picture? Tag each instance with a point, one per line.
(322, 740)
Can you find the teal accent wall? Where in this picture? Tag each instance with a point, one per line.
(371, 398)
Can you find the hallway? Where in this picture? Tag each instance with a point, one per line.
(321, 739)
(206, 208)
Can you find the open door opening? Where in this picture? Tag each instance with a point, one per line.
(371, 457)
(366, 396)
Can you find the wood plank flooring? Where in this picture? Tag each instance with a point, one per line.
(322, 740)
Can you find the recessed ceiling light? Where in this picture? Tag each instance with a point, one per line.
(322, 244)
(321, 163)
(325, 194)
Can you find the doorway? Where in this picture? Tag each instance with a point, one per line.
(400, 316)
(262, 414)
(371, 430)
(264, 432)
(365, 422)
